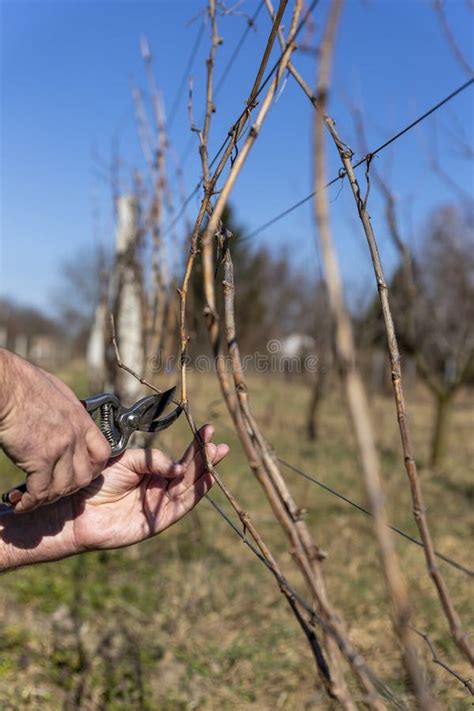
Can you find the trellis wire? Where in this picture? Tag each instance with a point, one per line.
(381, 687)
(342, 173)
(360, 508)
(450, 561)
(265, 81)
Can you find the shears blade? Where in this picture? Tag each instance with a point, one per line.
(149, 409)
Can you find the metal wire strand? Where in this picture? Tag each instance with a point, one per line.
(342, 174)
(450, 561)
(365, 511)
(380, 685)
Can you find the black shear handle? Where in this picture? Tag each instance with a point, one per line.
(6, 497)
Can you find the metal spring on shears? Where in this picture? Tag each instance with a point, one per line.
(107, 423)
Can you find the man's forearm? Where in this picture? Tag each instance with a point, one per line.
(38, 537)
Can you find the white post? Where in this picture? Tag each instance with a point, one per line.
(96, 349)
(127, 299)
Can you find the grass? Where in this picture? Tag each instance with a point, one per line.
(191, 620)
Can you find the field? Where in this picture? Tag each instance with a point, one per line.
(191, 620)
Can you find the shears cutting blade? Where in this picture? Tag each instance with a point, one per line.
(118, 423)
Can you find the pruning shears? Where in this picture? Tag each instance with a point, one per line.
(117, 423)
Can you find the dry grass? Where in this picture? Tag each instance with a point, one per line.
(191, 620)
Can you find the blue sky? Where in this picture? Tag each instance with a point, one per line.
(67, 69)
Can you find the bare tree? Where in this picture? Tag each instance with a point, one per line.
(443, 314)
(324, 351)
(79, 290)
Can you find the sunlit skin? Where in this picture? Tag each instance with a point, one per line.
(46, 432)
(142, 493)
(137, 496)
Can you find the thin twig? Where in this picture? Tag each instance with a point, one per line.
(465, 682)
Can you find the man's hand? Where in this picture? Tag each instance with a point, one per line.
(142, 493)
(46, 431)
(137, 496)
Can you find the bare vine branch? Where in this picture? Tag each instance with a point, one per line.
(258, 453)
(355, 391)
(298, 606)
(465, 682)
(214, 224)
(419, 508)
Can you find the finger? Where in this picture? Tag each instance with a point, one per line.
(62, 481)
(98, 450)
(196, 469)
(35, 493)
(27, 503)
(222, 452)
(215, 454)
(194, 493)
(37, 488)
(83, 473)
(151, 461)
(70, 473)
(205, 434)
